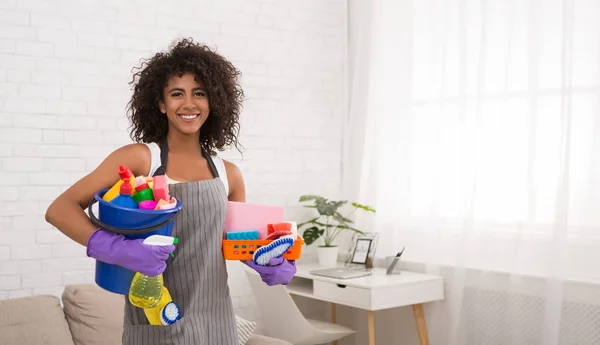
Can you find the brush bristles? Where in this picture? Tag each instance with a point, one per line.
(274, 249)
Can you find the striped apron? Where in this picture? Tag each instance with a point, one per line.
(197, 276)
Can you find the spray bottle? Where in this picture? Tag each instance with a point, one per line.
(145, 291)
(124, 198)
(113, 192)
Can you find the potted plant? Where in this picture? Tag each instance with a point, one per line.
(328, 225)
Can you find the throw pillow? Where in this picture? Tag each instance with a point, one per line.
(95, 316)
(33, 320)
(245, 329)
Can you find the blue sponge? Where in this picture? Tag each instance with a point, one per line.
(243, 235)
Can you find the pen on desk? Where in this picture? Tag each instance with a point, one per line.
(390, 268)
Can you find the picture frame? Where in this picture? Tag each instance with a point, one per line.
(361, 251)
(350, 261)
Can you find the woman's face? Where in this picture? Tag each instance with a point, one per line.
(185, 104)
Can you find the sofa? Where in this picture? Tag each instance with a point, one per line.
(89, 315)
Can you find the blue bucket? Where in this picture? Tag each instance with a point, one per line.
(132, 224)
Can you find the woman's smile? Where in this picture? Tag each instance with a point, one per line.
(189, 117)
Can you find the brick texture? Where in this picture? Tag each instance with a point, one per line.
(64, 68)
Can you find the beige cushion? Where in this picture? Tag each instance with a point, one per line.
(245, 329)
(36, 320)
(95, 315)
(256, 339)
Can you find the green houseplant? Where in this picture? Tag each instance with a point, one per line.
(328, 224)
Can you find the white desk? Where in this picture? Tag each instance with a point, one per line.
(375, 292)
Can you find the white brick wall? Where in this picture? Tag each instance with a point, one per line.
(64, 68)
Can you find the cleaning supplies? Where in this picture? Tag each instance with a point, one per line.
(160, 188)
(143, 191)
(277, 230)
(294, 229)
(276, 238)
(124, 172)
(248, 216)
(170, 314)
(147, 193)
(165, 205)
(146, 291)
(243, 235)
(272, 250)
(160, 240)
(124, 198)
(147, 205)
(166, 312)
(283, 238)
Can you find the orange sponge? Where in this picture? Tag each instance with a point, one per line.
(278, 229)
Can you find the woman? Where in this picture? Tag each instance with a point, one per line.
(185, 106)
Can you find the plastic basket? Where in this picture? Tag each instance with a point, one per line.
(244, 249)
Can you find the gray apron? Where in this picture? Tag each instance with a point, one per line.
(197, 276)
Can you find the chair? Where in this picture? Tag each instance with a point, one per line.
(281, 318)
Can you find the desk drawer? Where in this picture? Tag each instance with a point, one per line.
(342, 294)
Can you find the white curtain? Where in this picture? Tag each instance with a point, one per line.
(474, 130)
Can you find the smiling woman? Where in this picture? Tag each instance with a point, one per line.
(185, 103)
(184, 80)
(185, 106)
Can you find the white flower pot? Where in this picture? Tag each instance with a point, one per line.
(327, 256)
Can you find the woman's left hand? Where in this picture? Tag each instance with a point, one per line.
(279, 271)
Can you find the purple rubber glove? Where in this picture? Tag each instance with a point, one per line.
(279, 272)
(132, 254)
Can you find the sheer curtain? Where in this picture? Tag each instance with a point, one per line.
(474, 129)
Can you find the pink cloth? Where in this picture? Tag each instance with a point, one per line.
(243, 217)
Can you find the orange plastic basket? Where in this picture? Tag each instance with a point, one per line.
(244, 249)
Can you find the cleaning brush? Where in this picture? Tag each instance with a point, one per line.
(272, 250)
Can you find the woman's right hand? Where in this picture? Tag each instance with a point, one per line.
(134, 255)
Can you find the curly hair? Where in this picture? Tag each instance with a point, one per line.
(220, 79)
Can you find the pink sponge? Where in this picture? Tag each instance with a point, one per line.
(244, 216)
(160, 188)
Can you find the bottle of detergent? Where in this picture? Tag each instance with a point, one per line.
(124, 172)
(124, 198)
(166, 311)
(145, 291)
(143, 191)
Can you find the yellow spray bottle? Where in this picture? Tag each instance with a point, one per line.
(145, 291)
